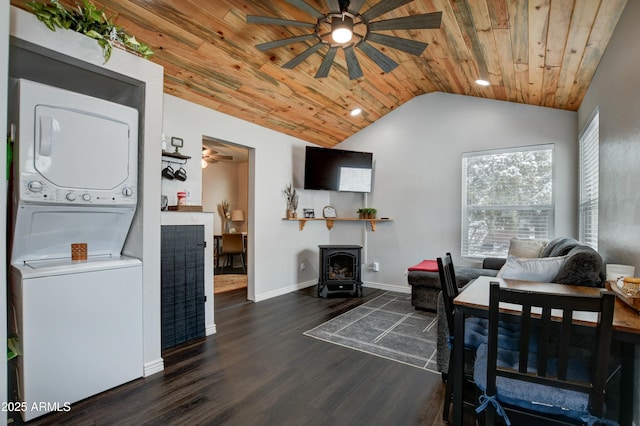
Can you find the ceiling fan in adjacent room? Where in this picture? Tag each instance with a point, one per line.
(211, 156)
(347, 29)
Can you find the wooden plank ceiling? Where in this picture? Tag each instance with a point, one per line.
(538, 52)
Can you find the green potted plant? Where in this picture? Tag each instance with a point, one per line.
(367, 213)
(85, 18)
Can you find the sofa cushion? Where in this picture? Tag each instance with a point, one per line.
(542, 269)
(520, 247)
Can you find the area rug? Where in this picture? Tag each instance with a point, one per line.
(388, 327)
(222, 283)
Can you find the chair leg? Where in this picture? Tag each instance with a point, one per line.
(447, 401)
(244, 270)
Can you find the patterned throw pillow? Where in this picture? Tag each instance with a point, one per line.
(526, 248)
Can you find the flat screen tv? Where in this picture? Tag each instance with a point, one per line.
(337, 170)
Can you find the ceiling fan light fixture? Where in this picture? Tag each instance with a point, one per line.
(481, 82)
(204, 163)
(355, 112)
(342, 29)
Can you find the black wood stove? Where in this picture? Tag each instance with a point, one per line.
(340, 270)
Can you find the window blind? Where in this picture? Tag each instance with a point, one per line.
(506, 193)
(589, 183)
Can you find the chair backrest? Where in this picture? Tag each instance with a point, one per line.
(232, 243)
(552, 312)
(449, 287)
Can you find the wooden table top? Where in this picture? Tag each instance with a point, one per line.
(476, 295)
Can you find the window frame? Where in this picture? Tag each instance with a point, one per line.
(589, 182)
(464, 243)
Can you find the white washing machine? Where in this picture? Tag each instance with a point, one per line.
(79, 322)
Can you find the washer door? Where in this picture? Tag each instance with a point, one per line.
(75, 149)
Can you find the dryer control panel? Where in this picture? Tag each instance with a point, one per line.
(40, 191)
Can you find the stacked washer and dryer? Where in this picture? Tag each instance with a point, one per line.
(79, 322)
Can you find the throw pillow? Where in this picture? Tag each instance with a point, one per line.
(526, 248)
(543, 269)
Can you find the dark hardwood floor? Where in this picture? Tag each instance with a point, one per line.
(259, 369)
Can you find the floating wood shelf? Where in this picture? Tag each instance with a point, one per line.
(329, 221)
(175, 155)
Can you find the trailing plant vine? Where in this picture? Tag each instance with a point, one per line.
(85, 18)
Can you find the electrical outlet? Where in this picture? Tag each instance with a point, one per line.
(302, 266)
(376, 266)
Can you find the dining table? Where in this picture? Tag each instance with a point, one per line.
(473, 300)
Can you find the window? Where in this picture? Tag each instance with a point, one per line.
(505, 194)
(589, 189)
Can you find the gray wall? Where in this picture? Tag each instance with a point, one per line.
(614, 91)
(417, 174)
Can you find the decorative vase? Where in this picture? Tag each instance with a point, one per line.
(226, 227)
(291, 214)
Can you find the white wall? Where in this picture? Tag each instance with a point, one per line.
(4, 55)
(276, 246)
(614, 91)
(417, 152)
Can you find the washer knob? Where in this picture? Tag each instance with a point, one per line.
(35, 186)
(127, 191)
(86, 197)
(70, 196)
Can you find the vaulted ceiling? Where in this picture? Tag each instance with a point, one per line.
(538, 52)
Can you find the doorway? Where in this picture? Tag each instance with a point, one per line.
(226, 171)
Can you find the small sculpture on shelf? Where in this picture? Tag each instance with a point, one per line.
(292, 201)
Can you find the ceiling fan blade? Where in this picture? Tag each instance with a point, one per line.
(383, 61)
(210, 160)
(267, 20)
(352, 63)
(427, 21)
(333, 5)
(355, 5)
(222, 157)
(302, 5)
(284, 42)
(325, 66)
(383, 7)
(302, 56)
(410, 46)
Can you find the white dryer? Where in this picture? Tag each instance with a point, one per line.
(75, 181)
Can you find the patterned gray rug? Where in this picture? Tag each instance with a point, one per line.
(388, 327)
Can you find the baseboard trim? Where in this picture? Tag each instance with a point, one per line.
(389, 287)
(210, 329)
(153, 367)
(284, 290)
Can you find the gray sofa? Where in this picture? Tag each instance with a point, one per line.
(582, 266)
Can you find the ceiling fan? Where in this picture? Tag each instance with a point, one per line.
(211, 156)
(345, 28)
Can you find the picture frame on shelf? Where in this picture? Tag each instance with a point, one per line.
(329, 212)
(309, 213)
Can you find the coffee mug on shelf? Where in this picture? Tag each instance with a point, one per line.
(181, 174)
(168, 172)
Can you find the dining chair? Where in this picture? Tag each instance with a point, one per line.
(475, 328)
(561, 383)
(232, 245)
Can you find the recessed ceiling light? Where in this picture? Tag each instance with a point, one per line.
(481, 82)
(356, 111)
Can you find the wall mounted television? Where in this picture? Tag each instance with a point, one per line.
(337, 170)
